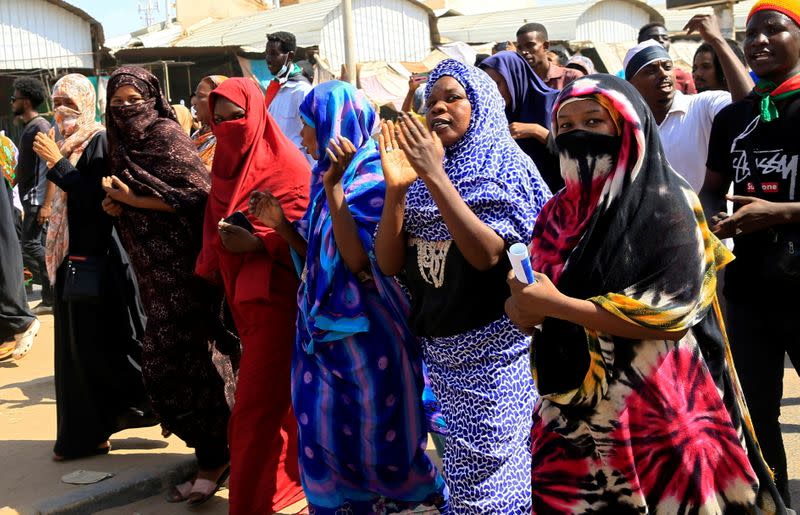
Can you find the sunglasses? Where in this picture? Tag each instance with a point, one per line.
(14, 99)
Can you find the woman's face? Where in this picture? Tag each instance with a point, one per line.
(225, 111)
(585, 115)
(126, 95)
(501, 85)
(309, 137)
(200, 102)
(60, 101)
(704, 73)
(449, 110)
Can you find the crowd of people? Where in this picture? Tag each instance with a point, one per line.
(303, 292)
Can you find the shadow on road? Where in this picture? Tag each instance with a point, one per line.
(29, 476)
(36, 391)
(137, 443)
(794, 491)
(790, 401)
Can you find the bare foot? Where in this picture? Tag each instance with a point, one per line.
(181, 492)
(211, 474)
(207, 483)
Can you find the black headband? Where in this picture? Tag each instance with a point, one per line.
(643, 58)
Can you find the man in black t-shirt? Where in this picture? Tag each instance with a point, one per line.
(35, 191)
(754, 144)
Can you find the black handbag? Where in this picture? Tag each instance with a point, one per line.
(83, 280)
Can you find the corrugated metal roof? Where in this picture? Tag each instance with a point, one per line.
(676, 19)
(501, 26)
(158, 38)
(560, 20)
(82, 14)
(249, 32)
(385, 30)
(303, 20)
(44, 34)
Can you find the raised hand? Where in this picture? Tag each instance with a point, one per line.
(397, 171)
(423, 149)
(706, 25)
(265, 207)
(46, 147)
(340, 153)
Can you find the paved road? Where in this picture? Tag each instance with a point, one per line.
(27, 426)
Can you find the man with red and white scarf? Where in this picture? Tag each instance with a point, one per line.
(288, 88)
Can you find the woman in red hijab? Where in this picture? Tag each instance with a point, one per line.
(254, 265)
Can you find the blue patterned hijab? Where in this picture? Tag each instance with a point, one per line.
(496, 179)
(330, 298)
(531, 99)
(531, 102)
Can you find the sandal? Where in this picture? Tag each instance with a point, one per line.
(204, 489)
(181, 492)
(7, 349)
(25, 339)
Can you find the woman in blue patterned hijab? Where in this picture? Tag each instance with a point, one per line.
(529, 105)
(357, 374)
(458, 193)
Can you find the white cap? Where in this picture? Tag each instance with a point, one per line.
(648, 49)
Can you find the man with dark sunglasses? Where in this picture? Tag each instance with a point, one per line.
(35, 191)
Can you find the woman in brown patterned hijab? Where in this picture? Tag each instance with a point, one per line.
(158, 190)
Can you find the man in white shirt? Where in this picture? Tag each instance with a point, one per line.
(288, 88)
(684, 121)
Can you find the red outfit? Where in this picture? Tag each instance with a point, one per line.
(685, 82)
(261, 287)
(559, 77)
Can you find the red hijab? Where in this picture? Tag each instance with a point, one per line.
(252, 154)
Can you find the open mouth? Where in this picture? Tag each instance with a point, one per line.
(439, 124)
(762, 55)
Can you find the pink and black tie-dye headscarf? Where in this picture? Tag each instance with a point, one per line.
(626, 232)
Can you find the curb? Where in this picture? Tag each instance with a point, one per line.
(119, 490)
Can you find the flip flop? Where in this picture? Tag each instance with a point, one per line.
(180, 493)
(206, 488)
(7, 349)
